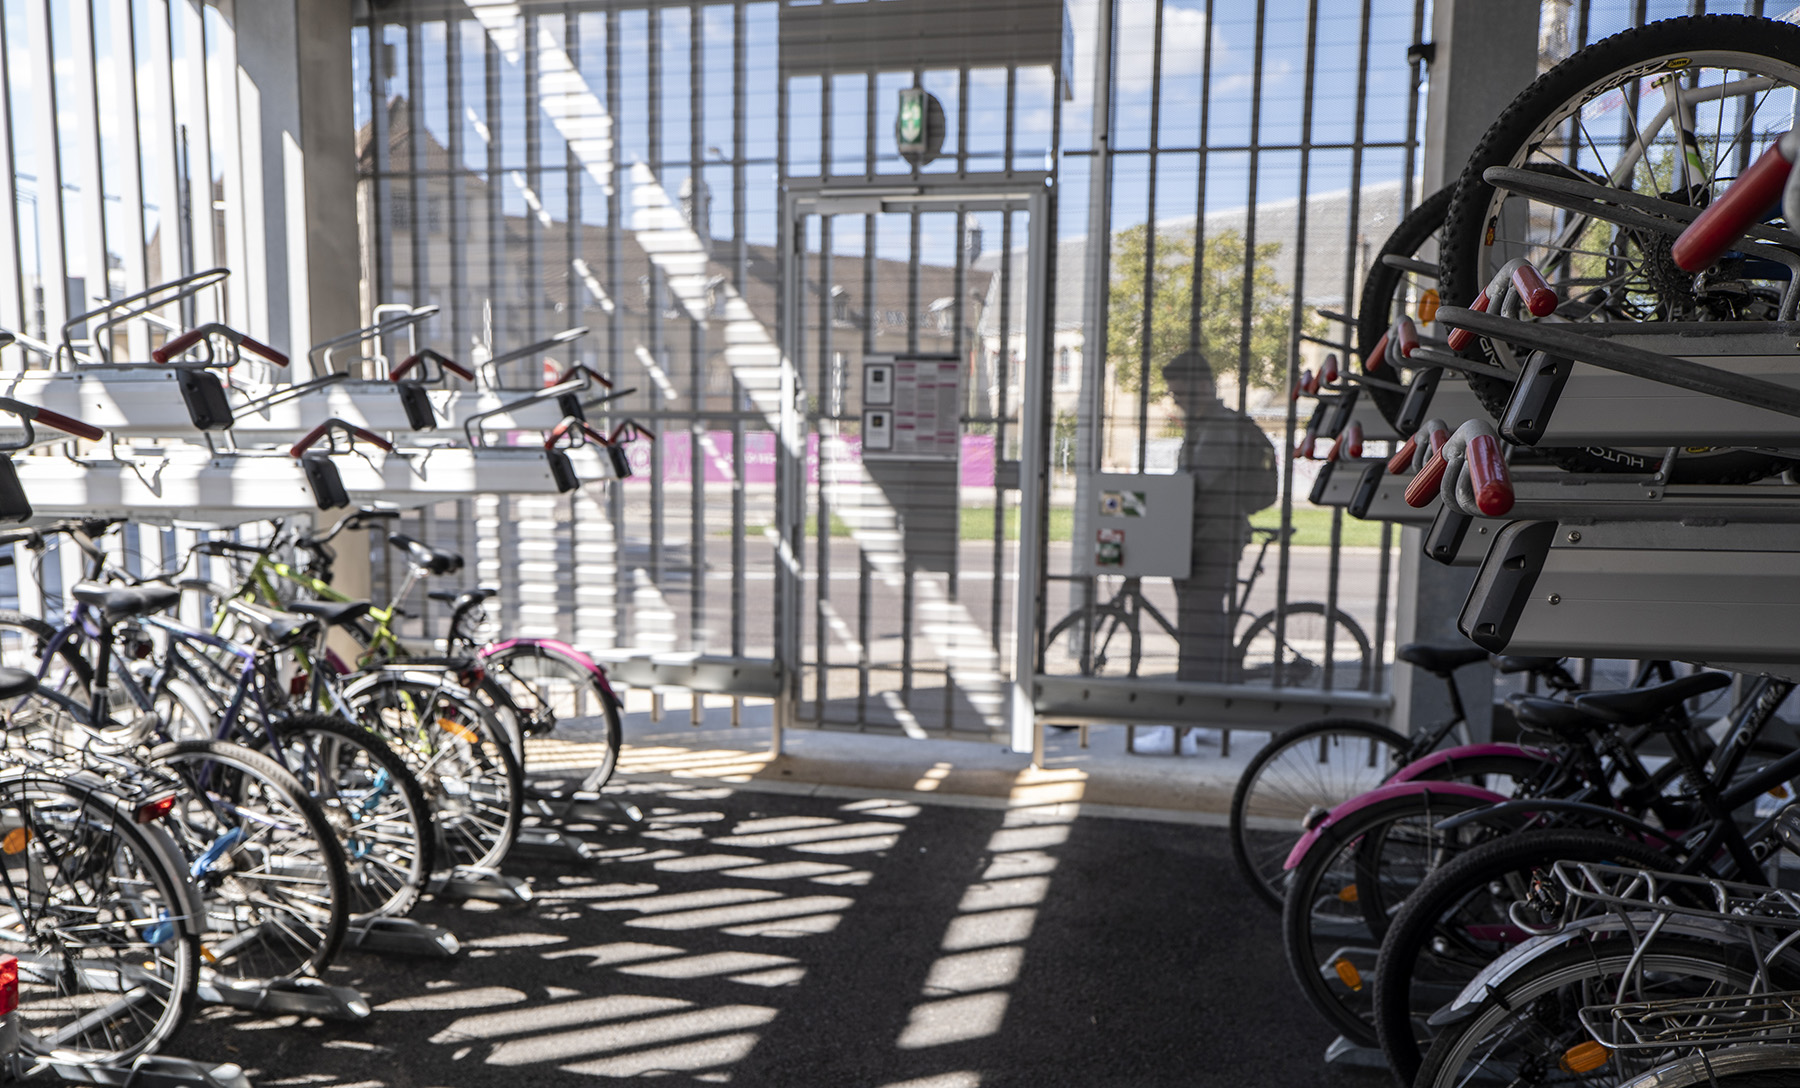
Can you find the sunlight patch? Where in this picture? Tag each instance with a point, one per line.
(956, 1020)
(990, 928)
(967, 972)
(708, 1052)
(632, 1033)
(558, 1015)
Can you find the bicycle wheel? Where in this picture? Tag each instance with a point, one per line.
(1526, 1031)
(460, 756)
(1309, 768)
(1341, 897)
(92, 908)
(1758, 1066)
(1302, 647)
(1389, 292)
(1457, 922)
(264, 858)
(553, 689)
(1711, 92)
(23, 642)
(374, 803)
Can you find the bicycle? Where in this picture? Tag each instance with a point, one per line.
(1255, 652)
(1305, 772)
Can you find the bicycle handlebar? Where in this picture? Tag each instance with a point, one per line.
(1726, 219)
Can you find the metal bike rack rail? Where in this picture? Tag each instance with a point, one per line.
(1720, 593)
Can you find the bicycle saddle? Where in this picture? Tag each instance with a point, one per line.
(1554, 716)
(1442, 660)
(434, 561)
(117, 602)
(1634, 705)
(334, 613)
(16, 682)
(456, 599)
(273, 627)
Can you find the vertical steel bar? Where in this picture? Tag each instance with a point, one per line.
(740, 454)
(417, 183)
(12, 272)
(128, 178)
(53, 280)
(658, 304)
(84, 156)
(1146, 336)
(699, 457)
(456, 216)
(826, 424)
(615, 320)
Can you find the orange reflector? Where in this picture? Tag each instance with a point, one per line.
(1585, 1057)
(1428, 307)
(15, 840)
(460, 732)
(1779, 793)
(1348, 972)
(1347, 894)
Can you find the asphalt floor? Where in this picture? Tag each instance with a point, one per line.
(768, 939)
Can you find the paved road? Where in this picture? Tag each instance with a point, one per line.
(790, 942)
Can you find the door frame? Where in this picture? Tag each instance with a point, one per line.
(1031, 192)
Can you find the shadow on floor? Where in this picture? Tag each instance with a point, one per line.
(785, 941)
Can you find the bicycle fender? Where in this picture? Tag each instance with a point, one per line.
(564, 648)
(1423, 767)
(1536, 805)
(1518, 957)
(1377, 796)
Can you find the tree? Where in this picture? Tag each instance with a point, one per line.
(1221, 308)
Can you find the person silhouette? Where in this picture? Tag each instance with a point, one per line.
(1235, 474)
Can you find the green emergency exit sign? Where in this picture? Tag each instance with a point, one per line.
(918, 126)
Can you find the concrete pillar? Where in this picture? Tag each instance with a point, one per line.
(1486, 53)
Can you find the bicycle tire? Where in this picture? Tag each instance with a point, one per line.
(132, 900)
(237, 940)
(1408, 958)
(374, 803)
(472, 780)
(1508, 142)
(1531, 992)
(1763, 1065)
(33, 636)
(1259, 859)
(1375, 313)
(577, 682)
(1310, 923)
(1363, 667)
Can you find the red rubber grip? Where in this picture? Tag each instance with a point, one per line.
(263, 350)
(1460, 338)
(1352, 440)
(1377, 356)
(456, 368)
(319, 432)
(1488, 475)
(1305, 447)
(1425, 485)
(1309, 382)
(1405, 337)
(70, 425)
(406, 364)
(1539, 299)
(1403, 456)
(1438, 439)
(1328, 372)
(178, 345)
(1726, 219)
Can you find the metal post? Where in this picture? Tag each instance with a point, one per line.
(1486, 54)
